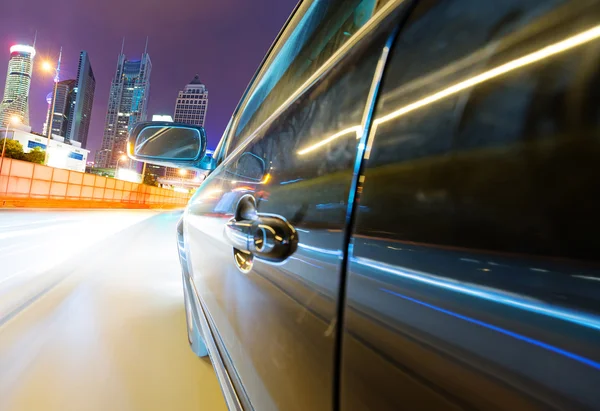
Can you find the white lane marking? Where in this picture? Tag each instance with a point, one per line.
(14, 275)
(37, 222)
(23, 249)
(21, 233)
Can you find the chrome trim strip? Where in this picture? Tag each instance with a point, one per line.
(353, 196)
(257, 74)
(370, 26)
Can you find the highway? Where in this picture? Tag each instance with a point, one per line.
(91, 315)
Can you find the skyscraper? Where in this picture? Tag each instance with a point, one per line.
(18, 80)
(192, 103)
(81, 110)
(65, 100)
(190, 108)
(127, 105)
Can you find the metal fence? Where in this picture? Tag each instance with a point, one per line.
(25, 181)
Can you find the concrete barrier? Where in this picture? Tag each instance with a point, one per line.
(25, 184)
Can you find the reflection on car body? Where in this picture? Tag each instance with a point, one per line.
(428, 171)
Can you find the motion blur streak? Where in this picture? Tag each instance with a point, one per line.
(541, 54)
(36, 245)
(501, 330)
(526, 60)
(353, 129)
(496, 296)
(92, 315)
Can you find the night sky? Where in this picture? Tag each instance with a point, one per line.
(223, 41)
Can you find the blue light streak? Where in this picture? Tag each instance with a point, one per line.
(485, 293)
(291, 181)
(337, 253)
(514, 335)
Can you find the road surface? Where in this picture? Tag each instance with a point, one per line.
(91, 315)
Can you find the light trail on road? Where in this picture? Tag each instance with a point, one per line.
(91, 314)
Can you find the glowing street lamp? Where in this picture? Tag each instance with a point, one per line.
(48, 68)
(14, 120)
(182, 173)
(122, 158)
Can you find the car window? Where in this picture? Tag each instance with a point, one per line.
(492, 157)
(325, 26)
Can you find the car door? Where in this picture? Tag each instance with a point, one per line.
(275, 313)
(473, 278)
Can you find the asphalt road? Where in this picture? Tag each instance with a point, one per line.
(91, 315)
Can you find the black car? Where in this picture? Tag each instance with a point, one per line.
(404, 211)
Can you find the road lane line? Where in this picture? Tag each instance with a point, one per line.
(14, 275)
(38, 222)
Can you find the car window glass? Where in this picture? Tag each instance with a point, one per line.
(479, 130)
(324, 28)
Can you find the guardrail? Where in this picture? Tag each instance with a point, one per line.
(25, 184)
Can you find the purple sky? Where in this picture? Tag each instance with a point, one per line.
(223, 41)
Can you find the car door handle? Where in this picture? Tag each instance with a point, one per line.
(266, 236)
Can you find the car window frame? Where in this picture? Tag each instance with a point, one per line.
(222, 149)
(380, 14)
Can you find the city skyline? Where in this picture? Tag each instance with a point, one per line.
(223, 42)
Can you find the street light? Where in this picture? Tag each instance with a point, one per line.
(122, 158)
(14, 120)
(182, 173)
(47, 67)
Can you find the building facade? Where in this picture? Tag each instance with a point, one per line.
(127, 105)
(80, 112)
(18, 81)
(63, 105)
(60, 154)
(190, 108)
(192, 103)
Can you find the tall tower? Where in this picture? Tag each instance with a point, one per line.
(65, 99)
(18, 81)
(192, 103)
(80, 111)
(127, 105)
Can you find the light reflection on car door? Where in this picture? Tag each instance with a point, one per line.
(473, 281)
(277, 321)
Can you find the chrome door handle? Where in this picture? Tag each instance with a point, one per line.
(266, 236)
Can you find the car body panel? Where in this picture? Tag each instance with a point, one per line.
(278, 321)
(473, 281)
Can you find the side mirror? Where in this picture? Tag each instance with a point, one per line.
(168, 144)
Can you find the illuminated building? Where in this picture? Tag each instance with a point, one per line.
(192, 103)
(127, 105)
(65, 99)
(60, 155)
(18, 80)
(81, 110)
(162, 117)
(190, 108)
